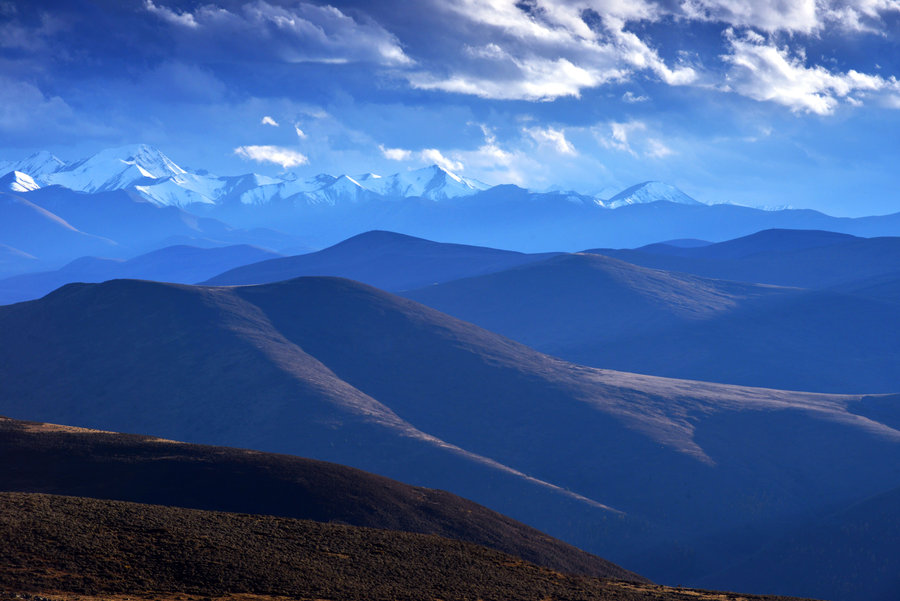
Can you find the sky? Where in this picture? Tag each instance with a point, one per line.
(763, 103)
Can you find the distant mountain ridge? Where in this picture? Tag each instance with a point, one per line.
(317, 212)
(386, 260)
(160, 180)
(601, 311)
(178, 263)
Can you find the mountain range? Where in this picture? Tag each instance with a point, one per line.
(292, 211)
(675, 479)
(158, 179)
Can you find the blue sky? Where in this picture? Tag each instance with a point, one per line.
(769, 102)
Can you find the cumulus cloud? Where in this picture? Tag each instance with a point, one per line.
(765, 72)
(395, 154)
(800, 16)
(657, 150)
(632, 98)
(431, 156)
(182, 19)
(300, 33)
(300, 133)
(541, 50)
(554, 138)
(632, 137)
(546, 49)
(267, 120)
(616, 135)
(278, 155)
(435, 156)
(768, 15)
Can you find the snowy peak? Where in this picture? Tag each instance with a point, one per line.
(154, 176)
(16, 181)
(647, 192)
(37, 166)
(434, 183)
(116, 169)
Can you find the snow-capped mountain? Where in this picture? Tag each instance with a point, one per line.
(160, 180)
(157, 178)
(431, 182)
(38, 165)
(116, 169)
(650, 192)
(16, 181)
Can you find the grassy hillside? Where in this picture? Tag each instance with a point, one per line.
(56, 459)
(73, 546)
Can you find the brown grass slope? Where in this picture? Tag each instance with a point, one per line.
(55, 459)
(90, 547)
(336, 370)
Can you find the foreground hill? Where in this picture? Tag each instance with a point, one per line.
(382, 259)
(675, 479)
(599, 311)
(63, 460)
(179, 263)
(69, 546)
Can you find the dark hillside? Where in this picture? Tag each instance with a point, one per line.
(78, 546)
(48, 458)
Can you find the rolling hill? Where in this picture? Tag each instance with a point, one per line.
(806, 259)
(603, 312)
(674, 479)
(180, 264)
(57, 225)
(385, 260)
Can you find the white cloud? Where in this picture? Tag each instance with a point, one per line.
(633, 137)
(632, 98)
(556, 49)
(278, 155)
(302, 33)
(433, 155)
(267, 120)
(860, 15)
(761, 71)
(535, 79)
(555, 138)
(657, 150)
(616, 135)
(795, 16)
(768, 15)
(183, 19)
(300, 133)
(395, 154)
(426, 155)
